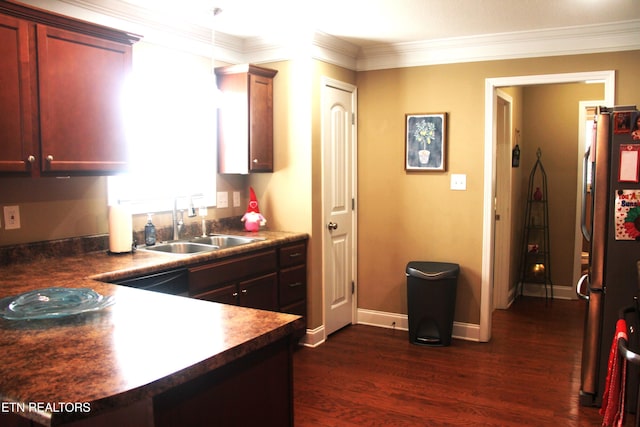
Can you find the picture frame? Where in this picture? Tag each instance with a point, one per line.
(622, 122)
(425, 141)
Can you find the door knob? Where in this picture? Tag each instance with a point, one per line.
(332, 226)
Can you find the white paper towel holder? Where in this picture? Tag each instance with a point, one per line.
(120, 229)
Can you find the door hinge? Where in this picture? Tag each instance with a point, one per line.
(353, 118)
(353, 287)
(353, 204)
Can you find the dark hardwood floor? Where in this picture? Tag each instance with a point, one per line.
(527, 375)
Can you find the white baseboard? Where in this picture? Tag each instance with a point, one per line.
(559, 291)
(313, 337)
(464, 331)
(461, 330)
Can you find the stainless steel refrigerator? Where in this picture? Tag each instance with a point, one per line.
(611, 224)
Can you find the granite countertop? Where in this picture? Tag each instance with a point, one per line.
(144, 344)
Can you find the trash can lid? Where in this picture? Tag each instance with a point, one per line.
(432, 270)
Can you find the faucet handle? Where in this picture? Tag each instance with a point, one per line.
(191, 212)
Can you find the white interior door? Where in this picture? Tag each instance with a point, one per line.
(338, 141)
(502, 230)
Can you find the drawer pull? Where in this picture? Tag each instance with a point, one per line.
(295, 254)
(295, 284)
(235, 294)
(244, 291)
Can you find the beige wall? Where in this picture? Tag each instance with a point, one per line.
(551, 124)
(402, 216)
(414, 216)
(54, 208)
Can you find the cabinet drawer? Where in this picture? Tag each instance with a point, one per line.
(209, 276)
(293, 284)
(292, 255)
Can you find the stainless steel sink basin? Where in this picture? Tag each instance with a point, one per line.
(180, 247)
(200, 244)
(223, 241)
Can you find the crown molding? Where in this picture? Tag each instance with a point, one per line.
(609, 37)
(196, 38)
(318, 45)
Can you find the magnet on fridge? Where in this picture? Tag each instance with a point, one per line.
(629, 163)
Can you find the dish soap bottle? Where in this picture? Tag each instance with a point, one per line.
(149, 232)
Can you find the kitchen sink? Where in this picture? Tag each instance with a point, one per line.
(224, 240)
(200, 244)
(180, 248)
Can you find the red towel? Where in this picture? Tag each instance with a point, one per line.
(613, 398)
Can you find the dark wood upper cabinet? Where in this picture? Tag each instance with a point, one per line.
(245, 119)
(61, 106)
(16, 132)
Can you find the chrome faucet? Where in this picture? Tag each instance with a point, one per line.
(178, 221)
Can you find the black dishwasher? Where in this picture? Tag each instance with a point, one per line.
(174, 282)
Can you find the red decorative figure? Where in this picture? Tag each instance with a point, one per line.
(538, 194)
(253, 219)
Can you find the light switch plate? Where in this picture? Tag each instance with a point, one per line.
(458, 181)
(222, 199)
(236, 199)
(11, 217)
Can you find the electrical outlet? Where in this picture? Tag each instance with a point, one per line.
(458, 181)
(236, 199)
(11, 217)
(222, 199)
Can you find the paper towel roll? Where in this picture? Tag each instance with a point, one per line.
(120, 229)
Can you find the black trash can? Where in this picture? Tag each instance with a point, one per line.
(431, 301)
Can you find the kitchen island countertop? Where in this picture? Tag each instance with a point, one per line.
(145, 344)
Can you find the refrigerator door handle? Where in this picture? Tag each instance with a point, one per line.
(582, 289)
(583, 222)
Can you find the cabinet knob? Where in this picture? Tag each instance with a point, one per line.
(49, 158)
(255, 160)
(31, 159)
(235, 294)
(244, 291)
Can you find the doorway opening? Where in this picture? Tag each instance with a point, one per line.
(491, 110)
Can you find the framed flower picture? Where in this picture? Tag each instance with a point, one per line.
(425, 141)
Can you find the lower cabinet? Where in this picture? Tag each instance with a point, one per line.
(260, 292)
(292, 283)
(271, 279)
(249, 280)
(256, 390)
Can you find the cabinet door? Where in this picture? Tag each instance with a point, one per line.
(260, 123)
(208, 276)
(15, 96)
(81, 80)
(225, 295)
(261, 292)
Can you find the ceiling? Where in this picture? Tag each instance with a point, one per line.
(379, 27)
(368, 22)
